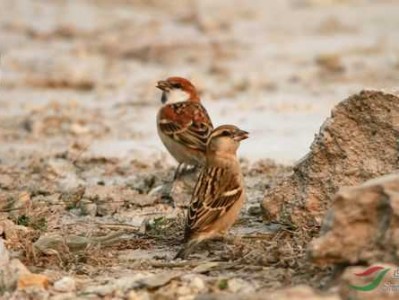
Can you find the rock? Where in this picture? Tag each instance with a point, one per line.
(158, 280)
(100, 290)
(238, 285)
(88, 208)
(14, 233)
(347, 151)
(10, 270)
(79, 129)
(195, 282)
(206, 267)
(362, 225)
(353, 281)
(10, 274)
(32, 280)
(65, 284)
(4, 255)
(138, 295)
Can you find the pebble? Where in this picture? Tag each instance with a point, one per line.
(237, 285)
(65, 284)
(138, 295)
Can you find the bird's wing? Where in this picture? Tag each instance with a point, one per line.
(187, 123)
(217, 190)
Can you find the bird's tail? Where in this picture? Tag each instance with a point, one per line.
(186, 250)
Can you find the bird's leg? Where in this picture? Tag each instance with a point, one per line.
(187, 249)
(178, 171)
(191, 169)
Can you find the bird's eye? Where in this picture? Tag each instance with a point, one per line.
(226, 133)
(177, 85)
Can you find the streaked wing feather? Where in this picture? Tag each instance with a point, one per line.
(189, 125)
(170, 128)
(210, 201)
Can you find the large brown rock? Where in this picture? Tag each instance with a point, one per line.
(362, 225)
(358, 142)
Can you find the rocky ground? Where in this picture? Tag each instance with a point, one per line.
(84, 181)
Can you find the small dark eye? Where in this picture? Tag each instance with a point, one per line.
(177, 85)
(226, 133)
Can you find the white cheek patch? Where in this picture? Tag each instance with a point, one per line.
(177, 95)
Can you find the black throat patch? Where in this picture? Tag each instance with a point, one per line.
(163, 98)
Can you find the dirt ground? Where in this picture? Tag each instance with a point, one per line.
(81, 164)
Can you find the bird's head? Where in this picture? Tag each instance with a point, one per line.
(226, 139)
(177, 89)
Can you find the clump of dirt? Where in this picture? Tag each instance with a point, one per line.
(358, 142)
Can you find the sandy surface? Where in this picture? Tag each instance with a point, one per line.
(78, 105)
(259, 64)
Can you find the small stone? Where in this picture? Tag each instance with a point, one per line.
(79, 129)
(88, 208)
(197, 284)
(4, 255)
(10, 273)
(237, 285)
(65, 284)
(138, 295)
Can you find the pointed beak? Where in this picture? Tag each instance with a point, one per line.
(241, 135)
(163, 85)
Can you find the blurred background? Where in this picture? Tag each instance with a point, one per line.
(82, 73)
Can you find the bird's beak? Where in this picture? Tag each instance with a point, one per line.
(241, 135)
(163, 85)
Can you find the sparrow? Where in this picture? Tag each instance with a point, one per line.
(219, 192)
(183, 123)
